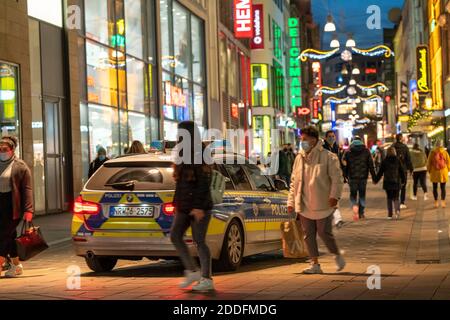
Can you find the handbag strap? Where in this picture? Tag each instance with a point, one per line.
(25, 226)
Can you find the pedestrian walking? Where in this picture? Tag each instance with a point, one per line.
(16, 202)
(358, 164)
(394, 178)
(193, 209)
(404, 156)
(315, 191)
(438, 167)
(284, 170)
(378, 156)
(331, 145)
(136, 148)
(98, 162)
(419, 162)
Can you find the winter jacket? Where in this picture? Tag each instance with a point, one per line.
(22, 189)
(438, 176)
(334, 148)
(358, 163)
(193, 193)
(316, 178)
(418, 160)
(95, 165)
(404, 156)
(284, 164)
(394, 175)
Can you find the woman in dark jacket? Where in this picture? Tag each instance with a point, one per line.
(16, 202)
(193, 206)
(394, 179)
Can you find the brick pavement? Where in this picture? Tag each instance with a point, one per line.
(412, 253)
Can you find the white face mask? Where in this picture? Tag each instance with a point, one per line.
(6, 156)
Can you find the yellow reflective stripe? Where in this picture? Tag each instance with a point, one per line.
(216, 227)
(92, 196)
(99, 234)
(275, 225)
(255, 226)
(130, 224)
(166, 197)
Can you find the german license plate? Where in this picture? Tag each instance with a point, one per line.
(132, 211)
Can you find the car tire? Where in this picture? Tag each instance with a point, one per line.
(232, 248)
(101, 264)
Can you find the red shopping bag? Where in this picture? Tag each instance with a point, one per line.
(30, 242)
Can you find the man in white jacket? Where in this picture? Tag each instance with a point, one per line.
(316, 188)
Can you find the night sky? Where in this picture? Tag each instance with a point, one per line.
(350, 17)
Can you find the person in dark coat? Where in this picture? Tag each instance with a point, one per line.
(285, 168)
(330, 143)
(193, 205)
(404, 156)
(98, 162)
(394, 178)
(358, 164)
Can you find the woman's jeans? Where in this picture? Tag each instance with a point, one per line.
(182, 222)
(435, 191)
(420, 177)
(393, 201)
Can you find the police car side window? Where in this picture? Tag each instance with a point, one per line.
(224, 172)
(261, 181)
(239, 177)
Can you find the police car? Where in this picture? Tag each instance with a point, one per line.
(125, 211)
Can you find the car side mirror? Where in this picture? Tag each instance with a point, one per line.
(281, 185)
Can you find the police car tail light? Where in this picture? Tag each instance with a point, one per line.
(168, 209)
(85, 207)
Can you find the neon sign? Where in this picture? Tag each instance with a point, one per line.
(422, 69)
(258, 27)
(294, 64)
(243, 20)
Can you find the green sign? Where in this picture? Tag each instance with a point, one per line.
(295, 71)
(278, 44)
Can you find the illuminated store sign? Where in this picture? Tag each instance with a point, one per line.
(174, 96)
(294, 64)
(235, 111)
(243, 20)
(258, 27)
(303, 111)
(422, 56)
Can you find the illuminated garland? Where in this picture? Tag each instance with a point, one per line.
(329, 90)
(372, 98)
(379, 85)
(375, 51)
(417, 116)
(314, 54)
(337, 100)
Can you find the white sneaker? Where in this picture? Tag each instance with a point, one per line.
(397, 215)
(389, 218)
(403, 206)
(190, 278)
(414, 198)
(204, 285)
(313, 269)
(425, 197)
(340, 263)
(14, 271)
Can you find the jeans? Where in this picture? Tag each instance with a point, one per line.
(182, 222)
(358, 187)
(324, 229)
(393, 201)
(420, 177)
(435, 191)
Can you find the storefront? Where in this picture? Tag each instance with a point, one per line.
(119, 88)
(183, 65)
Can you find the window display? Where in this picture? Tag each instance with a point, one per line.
(9, 99)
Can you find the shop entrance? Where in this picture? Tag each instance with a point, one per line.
(54, 156)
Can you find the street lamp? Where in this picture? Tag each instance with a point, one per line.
(335, 42)
(350, 43)
(330, 26)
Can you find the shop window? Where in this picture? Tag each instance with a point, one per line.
(182, 50)
(136, 85)
(104, 130)
(199, 105)
(233, 72)
(9, 99)
(137, 123)
(134, 9)
(260, 82)
(223, 63)
(99, 15)
(198, 58)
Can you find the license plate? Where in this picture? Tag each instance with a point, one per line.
(129, 211)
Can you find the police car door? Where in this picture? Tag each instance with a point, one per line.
(247, 198)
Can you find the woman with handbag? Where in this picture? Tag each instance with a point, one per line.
(16, 202)
(193, 205)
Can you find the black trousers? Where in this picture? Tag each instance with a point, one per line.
(420, 177)
(393, 201)
(435, 191)
(8, 227)
(403, 190)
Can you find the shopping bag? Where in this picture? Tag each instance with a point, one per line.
(293, 240)
(30, 242)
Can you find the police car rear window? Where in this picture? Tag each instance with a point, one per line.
(146, 176)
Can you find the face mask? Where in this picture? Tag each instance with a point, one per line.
(305, 146)
(5, 156)
(331, 141)
(102, 158)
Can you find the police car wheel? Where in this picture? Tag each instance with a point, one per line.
(233, 248)
(101, 264)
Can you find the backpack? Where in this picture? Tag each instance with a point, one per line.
(439, 161)
(217, 187)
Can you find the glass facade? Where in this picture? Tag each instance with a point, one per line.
(120, 103)
(183, 64)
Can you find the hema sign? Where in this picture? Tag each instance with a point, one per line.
(243, 19)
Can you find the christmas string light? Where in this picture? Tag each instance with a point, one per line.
(375, 51)
(314, 54)
(379, 85)
(329, 90)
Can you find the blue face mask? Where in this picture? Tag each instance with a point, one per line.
(306, 146)
(102, 158)
(5, 156)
